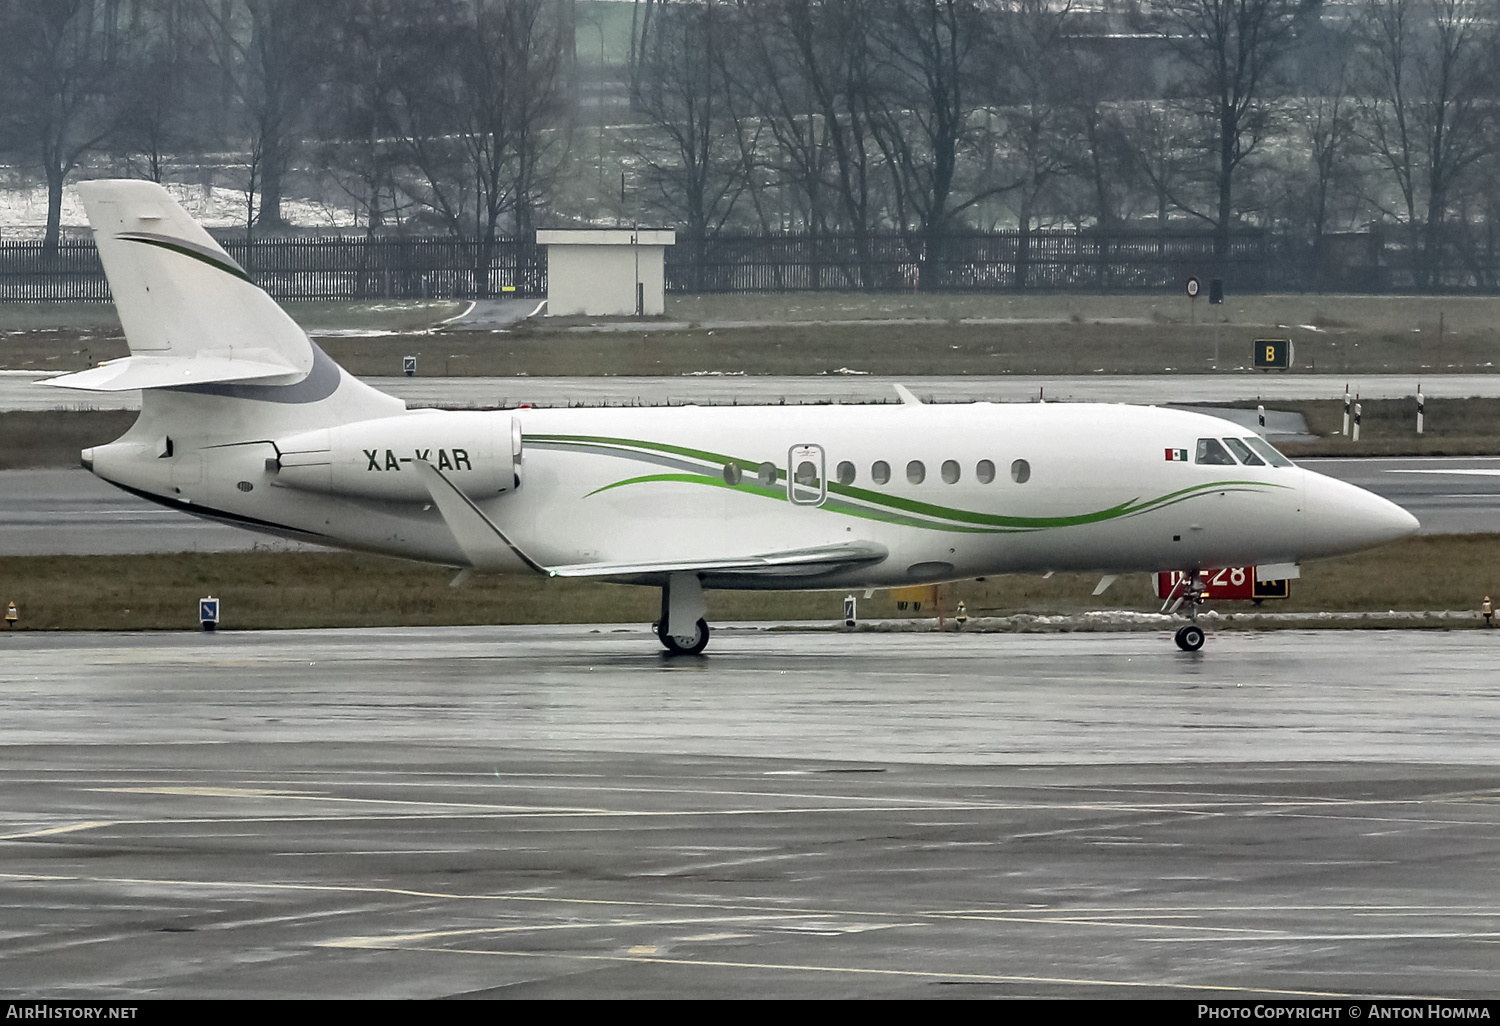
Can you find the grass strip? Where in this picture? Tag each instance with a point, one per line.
(271, 590)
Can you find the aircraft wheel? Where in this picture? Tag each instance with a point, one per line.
(1190, 638)
(676, 646)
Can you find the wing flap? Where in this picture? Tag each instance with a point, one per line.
(790, 563)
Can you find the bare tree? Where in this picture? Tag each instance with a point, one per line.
(59, 66)
(1161, 138)
(270, 54)
(682, 91)
(1039, 129)
(155, 85)
(1426, 107)
(1323, 120)
(805, 69)
(477, 109)
(354, 150)
(927, 54)
(1231, 48)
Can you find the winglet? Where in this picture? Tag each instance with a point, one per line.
(484, 545)
(906, 395)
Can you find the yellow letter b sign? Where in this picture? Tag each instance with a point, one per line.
(1272, 354)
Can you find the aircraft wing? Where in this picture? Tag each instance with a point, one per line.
(487, 547)
(794, 562)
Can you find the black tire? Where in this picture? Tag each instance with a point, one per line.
(675, 647)
(1190, 638)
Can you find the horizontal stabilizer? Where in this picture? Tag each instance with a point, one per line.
(132, 372)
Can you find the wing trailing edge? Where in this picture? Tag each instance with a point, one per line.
(487, 547)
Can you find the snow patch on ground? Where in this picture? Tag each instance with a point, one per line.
(23, 211)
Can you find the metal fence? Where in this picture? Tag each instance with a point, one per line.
(1376, 261)
(1010, 261)
(993, 261)
(316, 268)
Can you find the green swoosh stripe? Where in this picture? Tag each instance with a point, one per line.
(832, 506)
(863, 502)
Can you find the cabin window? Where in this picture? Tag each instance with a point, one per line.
(1268, 450)
(985, 471)
(766, 475)
(732, 474)
(1020, 472)
(1243, 454)
(1214, 454)
(880, 472)
(846, 473)
(950, 471)
(807, 473)
(916, 473)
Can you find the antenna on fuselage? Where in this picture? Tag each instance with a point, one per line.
(906, 395)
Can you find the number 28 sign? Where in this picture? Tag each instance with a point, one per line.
(1229, 584)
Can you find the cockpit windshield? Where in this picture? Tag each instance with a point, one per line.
(1243, 454)
(1212, 452)
(1267, 450)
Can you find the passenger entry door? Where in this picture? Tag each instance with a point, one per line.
(806, 484)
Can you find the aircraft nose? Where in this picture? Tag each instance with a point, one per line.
(1340, 517)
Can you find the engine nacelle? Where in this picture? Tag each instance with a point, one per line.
(372, 459)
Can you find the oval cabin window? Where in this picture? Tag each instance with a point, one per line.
(1020, 472)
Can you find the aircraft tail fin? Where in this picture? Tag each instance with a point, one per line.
(202, 335)
(191, 314)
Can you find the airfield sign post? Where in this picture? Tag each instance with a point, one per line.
(1272, 354)
(1192, 294)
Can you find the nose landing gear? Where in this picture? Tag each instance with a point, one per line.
(1189, 637)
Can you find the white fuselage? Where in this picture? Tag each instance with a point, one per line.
(1093, 487)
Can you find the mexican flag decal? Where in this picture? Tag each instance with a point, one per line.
(1176, 455)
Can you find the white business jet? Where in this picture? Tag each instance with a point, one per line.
(246, 421)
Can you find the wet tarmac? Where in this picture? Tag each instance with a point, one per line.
(563, 811)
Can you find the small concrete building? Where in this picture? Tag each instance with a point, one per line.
(606, 271)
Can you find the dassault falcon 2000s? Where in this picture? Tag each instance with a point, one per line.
(245, 420)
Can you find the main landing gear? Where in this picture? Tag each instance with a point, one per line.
(1190, 637)
(682, 629)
